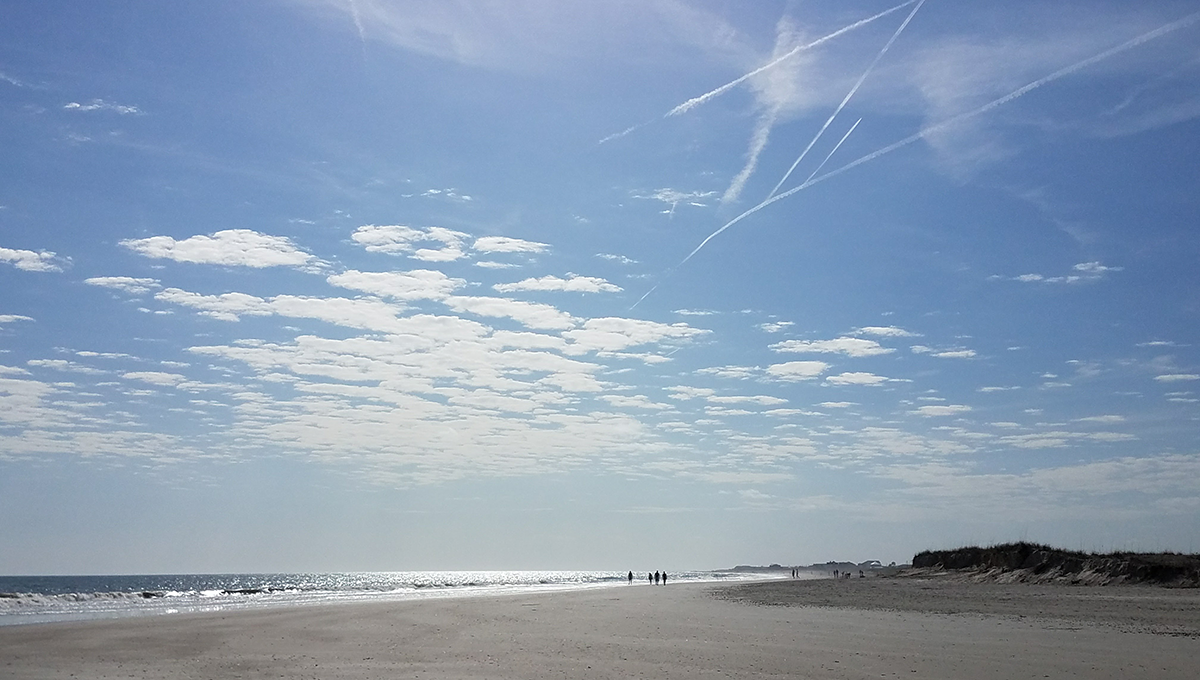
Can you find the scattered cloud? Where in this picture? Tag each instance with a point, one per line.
(620, 259)
(857, 378)
(1177, 377)
(126, 284)
(33, 261)
(793, 371)
(694, 312)
(1101, 419)
(503, 244)
(572, 284)
(1084, 272)
(942, 410)
(229, 248)
(852, 347)
(402, 240)
(775, 326)
(101, 105)
(417, 284)
(887, 332)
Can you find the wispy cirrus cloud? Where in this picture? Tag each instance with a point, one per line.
(101, 105)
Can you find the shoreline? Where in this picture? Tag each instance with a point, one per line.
(677, 631)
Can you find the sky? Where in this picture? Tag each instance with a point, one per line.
(364, 285)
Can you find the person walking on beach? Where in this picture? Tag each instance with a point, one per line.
(664, 578)
(649, 578)
(631, 578)
(656, 578)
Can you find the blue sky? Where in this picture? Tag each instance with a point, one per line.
(334, 284)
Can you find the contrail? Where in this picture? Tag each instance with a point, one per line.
(696, 101)
(835, 148)
(849, 94)
(618, 135)
(1061, 73)
(362, 36)
(758, 142)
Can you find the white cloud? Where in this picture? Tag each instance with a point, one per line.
(503, 244)
(531, 314)
(128, 284)
(572, 284)
(837, 404)
(9, 318)
(1101, 419)
(64, 365)
(418, 284)
(758, 400)
(856, 378)
(685, 392)
(621, 259)
(793, 371)
(101, 105)
(694, 312)
(942, 410)
(31, 261)
(226, 306)
(775, 326)
(612, 334)
(155, 377)
(887, 332)
(1085, 272)
(230, 248)
(634, 401)
(955, 354)
(402, 240)
(853, 347)
(731, 372)
(1177, 377)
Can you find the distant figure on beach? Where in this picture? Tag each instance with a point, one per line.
(650, 577)
(631, 578)
(861, 574)
(835, 573)
(664, 578)
(656, 578)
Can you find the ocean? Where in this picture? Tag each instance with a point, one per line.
(43, 599)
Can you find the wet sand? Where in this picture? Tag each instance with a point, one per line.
(817, 629)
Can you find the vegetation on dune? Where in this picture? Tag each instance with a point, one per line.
(1042, 563)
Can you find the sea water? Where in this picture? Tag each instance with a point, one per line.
(42, 599)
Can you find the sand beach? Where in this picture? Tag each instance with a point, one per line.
(858, 628)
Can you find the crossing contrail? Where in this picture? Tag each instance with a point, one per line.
(835, 148)
(697, 101)
(925, 132)
(849, 94)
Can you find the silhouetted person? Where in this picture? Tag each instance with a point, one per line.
(656, 578)
(649, 578)
(664, 578)
(631, 578)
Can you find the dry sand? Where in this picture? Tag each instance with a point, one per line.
(868, 628)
